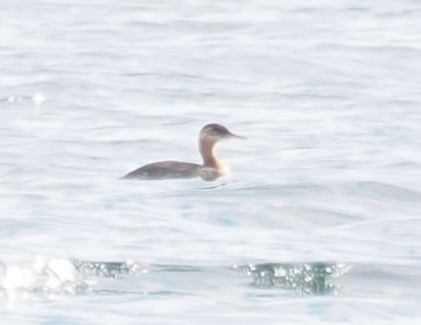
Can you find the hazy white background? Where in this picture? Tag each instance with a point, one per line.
(328, 94)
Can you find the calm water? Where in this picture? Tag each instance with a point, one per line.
(320, 220)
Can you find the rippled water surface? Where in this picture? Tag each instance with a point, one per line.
(319, 222)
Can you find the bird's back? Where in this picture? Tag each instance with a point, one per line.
(165, 170)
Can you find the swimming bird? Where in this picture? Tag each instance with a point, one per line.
(209, 170)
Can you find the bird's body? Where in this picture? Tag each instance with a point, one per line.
(211, 169)
(165, 170)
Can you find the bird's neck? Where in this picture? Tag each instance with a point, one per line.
(207, 150)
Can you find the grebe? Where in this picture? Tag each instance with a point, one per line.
(211, 169)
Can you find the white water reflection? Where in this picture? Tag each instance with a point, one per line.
(328, 95)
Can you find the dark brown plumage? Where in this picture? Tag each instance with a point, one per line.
(165, 170)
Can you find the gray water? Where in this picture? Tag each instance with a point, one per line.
(319, 221)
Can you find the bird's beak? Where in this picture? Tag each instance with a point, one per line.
(232, 135)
